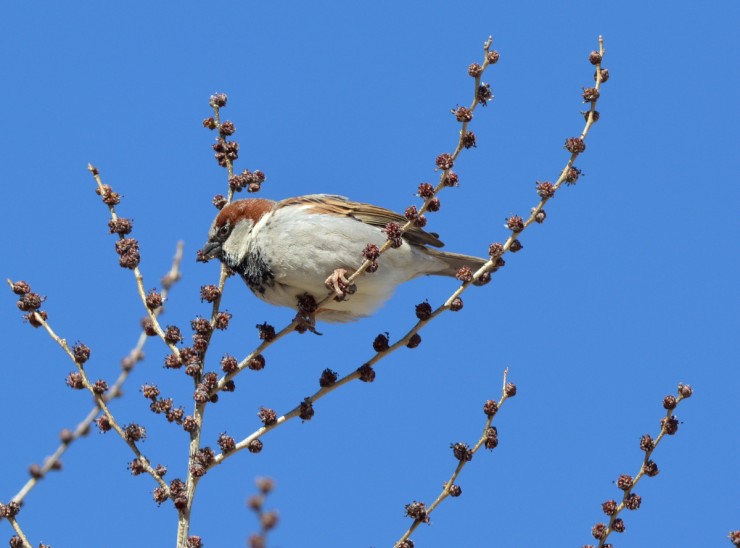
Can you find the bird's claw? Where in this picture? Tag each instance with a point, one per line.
(338, 282)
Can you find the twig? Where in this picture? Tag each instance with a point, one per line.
(103, 190)
(19, 531)
(97, 396)
(630, 500)
(134, 356)
(488, 437)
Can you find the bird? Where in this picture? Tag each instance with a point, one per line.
(307, 245)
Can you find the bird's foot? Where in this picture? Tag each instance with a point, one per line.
(340, 284)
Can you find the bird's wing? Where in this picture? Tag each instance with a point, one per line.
(373, 215)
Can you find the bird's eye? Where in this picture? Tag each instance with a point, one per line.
(223, 231)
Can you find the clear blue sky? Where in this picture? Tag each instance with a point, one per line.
(629, 288)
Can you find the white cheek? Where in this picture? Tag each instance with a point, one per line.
(236, 246)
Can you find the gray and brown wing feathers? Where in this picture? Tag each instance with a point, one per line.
(367, 213)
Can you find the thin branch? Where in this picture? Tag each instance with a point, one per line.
(137, 273)
(631, 501)
(19, 531)
(134, 356)
(99, 399)
(507, 391)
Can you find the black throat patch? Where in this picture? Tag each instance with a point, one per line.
(256, 271)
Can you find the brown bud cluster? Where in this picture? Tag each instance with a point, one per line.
(107, 195)
(495, 250)
(464, 274)
(218, 100)
(328, 378)
(226, 443)
(425, 190)
(424, 311)
(590, 95)
(367, 373)
(625, 482)
(462, 114)
(515, 223)
(153, 300)
(267, 416)
(598, 531)
(572, 175)
(228, 364)
(475, 70)
(209, 293)
(226, 152)
(307, 304)
(545, 190)
(257, 363)
(484, 94)
(74, 380)
(609, 507)
(226, 128)
(120, 226)
(189, 424)
(468, 139)
(201, 461)
(414, 341)
(632, 501)
(417, 511)
(588, 113)
(444, 161)
(222, 320)
(456, 305)
(178, 492)
(394, 234)
(491, 438)
(651, 469)
(380, 344)
(462, 451)
(255, 446)
(575, 145)
(252, 181)
(669, 402)
(103, 423)
(451, 179)
(81, 353)
(490, 408)
(306, 410)
(266, 332)
(134, 432)
(669, 424)
(128, 251)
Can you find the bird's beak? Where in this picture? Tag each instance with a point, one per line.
(212, 250)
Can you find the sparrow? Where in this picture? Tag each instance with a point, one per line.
(308, 244)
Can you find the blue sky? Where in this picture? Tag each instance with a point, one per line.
(629, 288)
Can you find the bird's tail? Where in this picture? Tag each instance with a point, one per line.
(455, 261)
